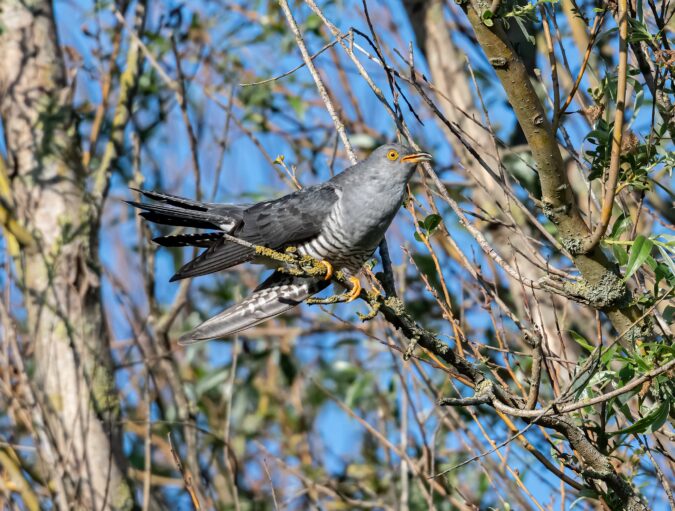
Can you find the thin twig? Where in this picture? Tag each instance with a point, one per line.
(147, 442)
(339, 126)
(182, 97)
(551, 59)
(106, 87)
(187, 477)
(597, 23)
(486, 453)
(587, 402)
(535, 377)
(269, 477)
(299, 66)
(148, 54)
(617, 134)
(122, 114)
(665, 484)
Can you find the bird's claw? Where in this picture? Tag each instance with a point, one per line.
(329, 269)
(355, 291)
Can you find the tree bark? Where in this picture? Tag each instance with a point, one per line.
(73, 380)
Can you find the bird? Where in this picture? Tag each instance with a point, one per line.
(339, 222)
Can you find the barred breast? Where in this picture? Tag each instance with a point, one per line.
(335, 244)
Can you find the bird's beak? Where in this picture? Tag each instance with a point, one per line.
(416, 158)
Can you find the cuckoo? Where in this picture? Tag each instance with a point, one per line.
(339, 222)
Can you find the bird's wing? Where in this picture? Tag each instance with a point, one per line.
(292, 219)
(220, 255)
(279, 293)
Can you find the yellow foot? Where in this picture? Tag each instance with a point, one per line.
(329, 269)
(355, 290)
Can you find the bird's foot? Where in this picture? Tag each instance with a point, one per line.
(350, 296)
(355, 291)
(329, 269)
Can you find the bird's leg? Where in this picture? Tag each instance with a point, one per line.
(355, 290)
(329, 269)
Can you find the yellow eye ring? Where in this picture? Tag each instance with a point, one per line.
(392, 155)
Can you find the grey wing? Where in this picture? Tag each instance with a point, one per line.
(276, 224)
(292, 219)
(279, 293)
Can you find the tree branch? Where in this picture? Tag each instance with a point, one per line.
(558, 202)
(617, 134)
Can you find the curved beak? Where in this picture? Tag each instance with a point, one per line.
(416, 158)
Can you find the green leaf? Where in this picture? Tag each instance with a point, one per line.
(602, 378)
(432, 222)
(358, 389)
(639, 31)
(670, 239)
(639, 252)
(620, 254)
(581, 341)
(667, 259)
(608, 35)
(313, 23)
(608, 356)
(298, 106)
(210, 381)
(622, 223)
(598, 136)
(487, 18)
(669, 314)
(626, 374)
(649, 423)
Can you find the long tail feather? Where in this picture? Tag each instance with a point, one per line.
(167, 214)
(175, 200)
(220, 254)
(276, 295)
(199, 239)
(179, 211)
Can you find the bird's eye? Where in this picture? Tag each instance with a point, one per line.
(392, 155)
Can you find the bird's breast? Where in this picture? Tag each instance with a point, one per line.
(350, 234)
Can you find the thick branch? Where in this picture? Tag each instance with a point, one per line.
(558, 202)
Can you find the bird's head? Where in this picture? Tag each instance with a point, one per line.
(396, 160)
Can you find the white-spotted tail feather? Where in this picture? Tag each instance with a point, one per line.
(279, 293)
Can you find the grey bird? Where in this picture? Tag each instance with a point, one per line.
(339, 222)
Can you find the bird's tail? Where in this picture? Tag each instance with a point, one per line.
(178, 211)
(279, 293)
